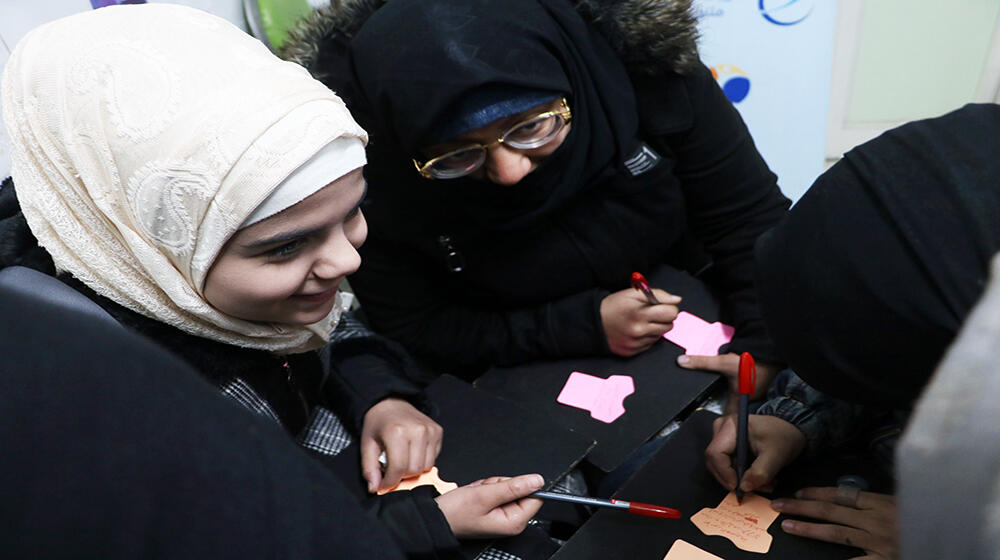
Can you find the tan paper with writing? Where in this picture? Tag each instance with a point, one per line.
(745, 524)
(682, 550)
(429, 478)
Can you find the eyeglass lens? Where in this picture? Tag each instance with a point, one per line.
(533, 133)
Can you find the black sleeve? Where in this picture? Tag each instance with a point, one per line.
(116, 449)
(462, 340)
(365, 368)
(417, 523)
(732, 198)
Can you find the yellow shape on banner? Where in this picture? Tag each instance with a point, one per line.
(682, 550)
(745, 524)
(429, 478)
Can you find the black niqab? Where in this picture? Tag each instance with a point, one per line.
(414, 60)
(869, 278)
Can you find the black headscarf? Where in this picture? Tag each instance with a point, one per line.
(869, 278)
(414, 61)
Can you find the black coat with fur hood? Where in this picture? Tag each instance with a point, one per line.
(464, 295)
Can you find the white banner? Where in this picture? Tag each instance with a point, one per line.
(773, 59)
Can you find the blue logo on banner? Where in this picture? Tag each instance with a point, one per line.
(734, 82)
(785, 12)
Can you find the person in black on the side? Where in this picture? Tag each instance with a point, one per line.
(90, 474)
(863, 287)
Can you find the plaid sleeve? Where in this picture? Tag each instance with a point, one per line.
(365, 368)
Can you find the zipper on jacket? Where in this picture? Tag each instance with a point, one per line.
(293, 386)
(452, 258)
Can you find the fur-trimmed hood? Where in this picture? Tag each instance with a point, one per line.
(651, 36)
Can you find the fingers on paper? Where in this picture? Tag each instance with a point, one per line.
(398, 465)
(866, 500)
(370, 467)
(838, 534)
(821, 510)
(726, 364)
(431, 452)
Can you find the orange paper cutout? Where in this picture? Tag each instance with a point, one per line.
(682, 550)
(429, 478)
(746, 525)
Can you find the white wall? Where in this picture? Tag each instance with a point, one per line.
(902, 60)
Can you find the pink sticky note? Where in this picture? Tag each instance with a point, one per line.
(602, 397)
(697, 336)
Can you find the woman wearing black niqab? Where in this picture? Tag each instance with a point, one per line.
(863, 287)
(651, 167)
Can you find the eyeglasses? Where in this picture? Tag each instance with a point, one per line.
(534, 132)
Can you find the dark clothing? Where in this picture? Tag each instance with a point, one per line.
(830, 423)
(308, 393)
(658, 168)
(18, 245)
(357, 370)
(867, 281)
(113, 448)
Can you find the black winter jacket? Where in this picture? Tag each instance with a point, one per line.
(466, 299)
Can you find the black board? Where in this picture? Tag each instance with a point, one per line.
(485, 436)
(663, 390)
(677, 477)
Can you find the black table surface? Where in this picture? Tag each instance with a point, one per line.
(485, 436)
(663, 390)
(677, 477)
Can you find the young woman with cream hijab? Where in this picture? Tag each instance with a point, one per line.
(207, 194)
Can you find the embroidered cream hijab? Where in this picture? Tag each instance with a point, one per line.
(143, 136)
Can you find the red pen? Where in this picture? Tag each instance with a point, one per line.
(748, 378)
(635, 508)
(639, 283)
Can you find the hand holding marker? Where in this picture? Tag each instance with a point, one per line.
(748, 378)
(639, 283)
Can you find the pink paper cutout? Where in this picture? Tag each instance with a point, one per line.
(683, 550)
(697, 336)
(602, 397)
(744, 524)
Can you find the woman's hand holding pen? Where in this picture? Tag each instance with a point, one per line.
(493, 507)
(632, 324)
(774, 441)
(869, 523)
(410, 439)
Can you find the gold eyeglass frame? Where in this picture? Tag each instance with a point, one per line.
(562, 112)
